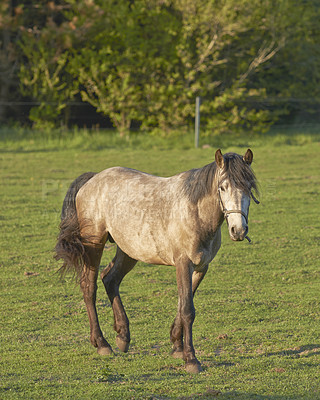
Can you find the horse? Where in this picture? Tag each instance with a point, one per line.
(157, 220)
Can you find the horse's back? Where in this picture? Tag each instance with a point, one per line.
(135, 208)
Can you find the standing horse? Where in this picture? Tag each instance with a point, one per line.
(170, 221)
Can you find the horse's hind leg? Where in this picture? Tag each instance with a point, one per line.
(112, 276)
(88, 286)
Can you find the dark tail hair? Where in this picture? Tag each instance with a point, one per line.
(69, 247)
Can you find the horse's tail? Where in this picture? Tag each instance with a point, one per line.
(70, 247)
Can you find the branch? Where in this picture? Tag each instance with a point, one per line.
(264, 54)
(206, 53)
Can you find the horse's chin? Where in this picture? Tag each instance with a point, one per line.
(237, 239)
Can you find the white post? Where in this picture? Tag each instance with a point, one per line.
(197, 122)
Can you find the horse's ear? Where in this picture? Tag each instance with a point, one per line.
(248, 157)
(219, 159)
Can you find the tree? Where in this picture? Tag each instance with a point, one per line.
(146, 61)
(45, 75)
(130, 48)
(9, 17)
(292, 77)
(223, 43)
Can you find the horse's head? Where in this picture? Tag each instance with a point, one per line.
(235, 182)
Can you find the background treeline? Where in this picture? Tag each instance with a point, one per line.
(141, 63)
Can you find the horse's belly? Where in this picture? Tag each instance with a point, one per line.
(143, 247)
(145, 254)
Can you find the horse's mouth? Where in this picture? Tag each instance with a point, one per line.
(241, 239)
(237, 239)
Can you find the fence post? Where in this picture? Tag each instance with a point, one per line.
(197, 122)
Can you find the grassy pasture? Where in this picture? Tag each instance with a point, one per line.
(257, 328)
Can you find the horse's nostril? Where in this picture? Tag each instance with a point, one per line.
(239, 232)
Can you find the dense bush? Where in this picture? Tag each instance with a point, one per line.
(143, 62)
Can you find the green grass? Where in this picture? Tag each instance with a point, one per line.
(257, 328)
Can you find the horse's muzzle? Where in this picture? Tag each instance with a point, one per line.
(238, 234)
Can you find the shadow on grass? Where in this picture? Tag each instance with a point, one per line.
(170, 376)
(212, 394)
(240, 396)
(308, 350)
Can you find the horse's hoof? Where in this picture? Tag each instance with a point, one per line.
(105, 351)
(122, 344)
(177, 354)
(193, 368)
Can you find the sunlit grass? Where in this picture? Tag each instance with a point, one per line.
(258, 309)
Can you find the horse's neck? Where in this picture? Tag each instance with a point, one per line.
(210, 212)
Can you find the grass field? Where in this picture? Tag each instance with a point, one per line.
(257, 328)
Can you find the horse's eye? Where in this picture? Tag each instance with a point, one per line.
(222, 189)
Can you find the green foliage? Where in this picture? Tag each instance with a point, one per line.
(9, 54)
(257, 310)
(292, 75)
(45, 77)
(130, 54)
(144, 62)
(232, 112)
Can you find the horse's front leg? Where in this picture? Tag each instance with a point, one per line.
(186, 316)
(176, 333)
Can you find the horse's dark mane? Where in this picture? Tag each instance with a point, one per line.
(199, 182)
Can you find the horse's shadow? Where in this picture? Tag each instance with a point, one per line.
(308, 350)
